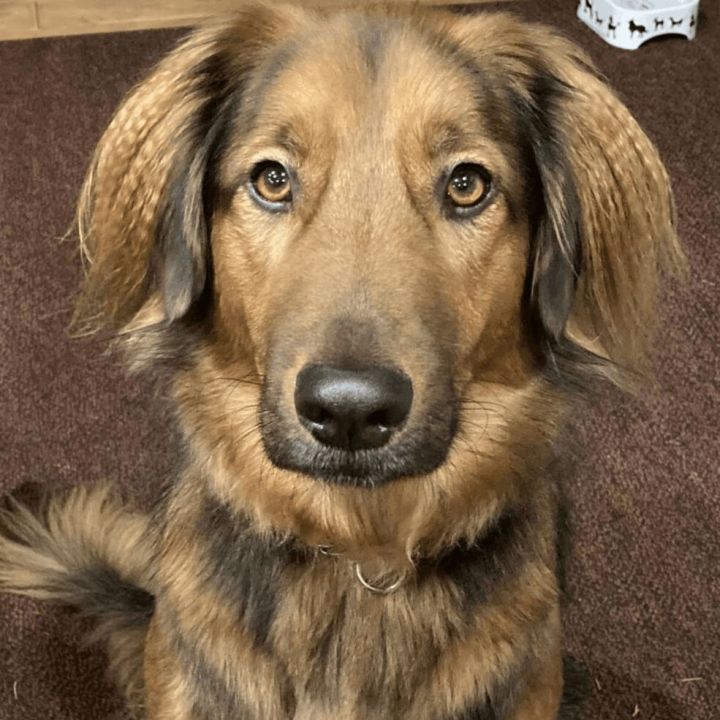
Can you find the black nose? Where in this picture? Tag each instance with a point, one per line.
(352, 409)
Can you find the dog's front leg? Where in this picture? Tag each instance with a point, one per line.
(540, 699)
(542, 696)
(167, 692)
(210, 673)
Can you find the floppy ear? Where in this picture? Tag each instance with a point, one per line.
(146, 207)
(609, 221)
(604, 225)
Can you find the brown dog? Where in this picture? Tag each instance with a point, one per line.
(381, 252)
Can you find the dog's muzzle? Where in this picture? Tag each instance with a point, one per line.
(356, 425)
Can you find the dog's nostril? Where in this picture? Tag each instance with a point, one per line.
(315, 413)
(379, 419)
(352, 409)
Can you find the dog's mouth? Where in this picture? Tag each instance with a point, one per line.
(361, 427)
(361, 468)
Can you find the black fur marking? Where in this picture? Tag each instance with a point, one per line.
(457, 54)
(377, 697)
(479, 569)
(263, 80)
(246, 568)
(575, 691)
(554, 261)
(181, 265)
(321, 659)
(508, 692)
(556, 258)
(372, 39)
(483, 712)
(214, 700)
(486, 93)
(101, 592)
(181, 257)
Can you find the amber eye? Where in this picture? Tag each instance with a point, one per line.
(467, 188)
(270, 183)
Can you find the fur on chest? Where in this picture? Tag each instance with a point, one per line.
(343, 645)
(269, 619)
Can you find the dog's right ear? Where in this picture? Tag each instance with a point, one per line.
(146, 207)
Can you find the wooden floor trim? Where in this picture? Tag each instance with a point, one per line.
(23, 19)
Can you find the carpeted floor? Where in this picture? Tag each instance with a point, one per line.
(643, 609)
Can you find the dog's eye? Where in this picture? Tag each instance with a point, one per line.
(271, 186)
(468, 187)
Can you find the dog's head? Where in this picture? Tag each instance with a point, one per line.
(378, 247)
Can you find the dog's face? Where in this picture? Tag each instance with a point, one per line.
(374, 238)
(376, 245)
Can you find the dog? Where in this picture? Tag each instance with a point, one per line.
(635, 28)
(382, 254)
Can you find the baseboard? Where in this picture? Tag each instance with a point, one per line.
(22, 19)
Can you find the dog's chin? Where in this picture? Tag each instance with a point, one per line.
(413, 456)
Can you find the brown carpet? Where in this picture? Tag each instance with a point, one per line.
(644, 577)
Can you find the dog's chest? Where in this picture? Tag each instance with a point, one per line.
(351, 653)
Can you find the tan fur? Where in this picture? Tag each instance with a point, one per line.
(73, 534)
(366, 268)
(132, 162)
(85, 525)
(168, 694)
(399, 520)
(628, 211)
(414, 623)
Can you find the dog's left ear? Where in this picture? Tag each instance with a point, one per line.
(145, 213)
(603, 217)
